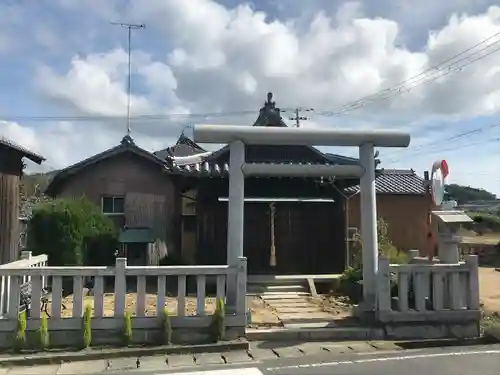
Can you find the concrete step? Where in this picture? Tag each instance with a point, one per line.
(286, 288)
(290, 309)
(284, 296)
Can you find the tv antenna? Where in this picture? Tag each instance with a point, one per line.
(130, 27)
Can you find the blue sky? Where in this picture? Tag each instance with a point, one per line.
(64, 73)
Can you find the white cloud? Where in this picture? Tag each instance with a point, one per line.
(64, 143)
(228, 59)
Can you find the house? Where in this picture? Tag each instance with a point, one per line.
(11, 171)
(403, 202)
(175, 200)
(132, 187)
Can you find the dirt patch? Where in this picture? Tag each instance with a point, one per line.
(481, 240)
(262, 315)
(131, 302)
(338, 306)
(489, 281)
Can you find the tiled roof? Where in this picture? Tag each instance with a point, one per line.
(35, 158)
(387, 181)
(207, 169)
(183, 147)
(396, 181)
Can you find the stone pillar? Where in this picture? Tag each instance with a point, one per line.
(368, 226)
(236, 206)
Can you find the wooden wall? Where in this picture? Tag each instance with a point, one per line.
(406, 216)
(10, 172)
(149, 210)
(150, 196)
(309, 237)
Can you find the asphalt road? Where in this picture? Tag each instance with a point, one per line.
(471, 360)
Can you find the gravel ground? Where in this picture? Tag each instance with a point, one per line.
(130, 304)
(261, 315)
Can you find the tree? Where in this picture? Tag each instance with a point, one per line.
(465, 194)
(71, 232)
(385, 246)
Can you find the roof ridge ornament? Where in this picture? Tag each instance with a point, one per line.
(269, 102)
(269, 115)
(127, 140)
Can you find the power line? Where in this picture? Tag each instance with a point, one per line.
(448, 138)
(442, 69)
(417, 80)
(130, 27)
(143, 117)
(433, 150)
(422, 77)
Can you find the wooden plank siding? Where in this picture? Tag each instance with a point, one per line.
(406, 216)
(309, 237)
(149, 193)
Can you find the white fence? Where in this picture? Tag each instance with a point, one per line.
(428, 292)
(120, 295)
(26, 261)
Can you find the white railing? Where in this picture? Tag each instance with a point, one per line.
(26, 261)
(127, 293)
(428, 292)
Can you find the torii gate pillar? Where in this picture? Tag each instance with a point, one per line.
(367, 140)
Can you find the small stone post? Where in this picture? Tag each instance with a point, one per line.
(120, 286)
(241, 295)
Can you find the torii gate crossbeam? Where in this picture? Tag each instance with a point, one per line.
(239, 136)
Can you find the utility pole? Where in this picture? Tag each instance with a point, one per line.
(298, 117)
(130, 27)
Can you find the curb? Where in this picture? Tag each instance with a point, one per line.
(316, 334)
(442, 343)
(493, 333)
(90, 355)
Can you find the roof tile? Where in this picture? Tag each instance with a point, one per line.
(23, 150)
(396, 181)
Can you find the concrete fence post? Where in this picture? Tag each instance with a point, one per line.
(120, 286)
(413, 253)
(473, 298)
(14, 296)
(26, 255)
(241, 294)
(383, 285)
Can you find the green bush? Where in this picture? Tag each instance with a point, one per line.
(42, 334)
(385, 246)
(20, 334)
(490, 221)
(166, 328)
(71, 232)
(350, 284)
(87, 326)
(219, 321)
(395, 256)
(127, 329)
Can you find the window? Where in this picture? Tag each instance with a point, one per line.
(113, 205)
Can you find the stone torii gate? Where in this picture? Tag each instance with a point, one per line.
(239, 136)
